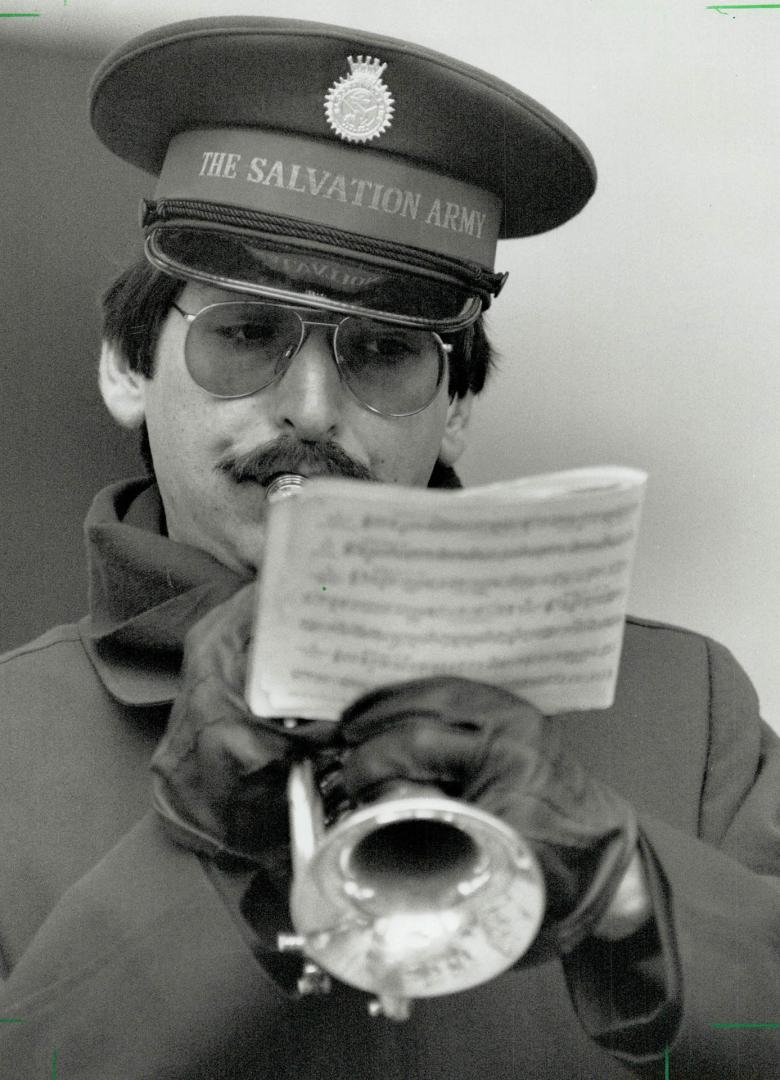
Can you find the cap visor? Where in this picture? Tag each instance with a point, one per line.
(312, 275)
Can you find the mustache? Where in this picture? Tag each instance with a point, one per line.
(286, 455)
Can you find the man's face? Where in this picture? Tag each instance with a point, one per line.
(192, 435)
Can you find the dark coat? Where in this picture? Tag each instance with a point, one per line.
(124, 961)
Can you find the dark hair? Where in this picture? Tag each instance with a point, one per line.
(136, 304)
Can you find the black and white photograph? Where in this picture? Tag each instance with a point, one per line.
(390, 587)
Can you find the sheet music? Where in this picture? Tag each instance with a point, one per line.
(523, 584)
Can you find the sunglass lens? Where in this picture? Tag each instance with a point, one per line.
(236, 349)
(392, 369)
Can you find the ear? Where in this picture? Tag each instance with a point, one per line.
(123, 390)
(454, 440)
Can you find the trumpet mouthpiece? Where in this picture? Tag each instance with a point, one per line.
(283, 486)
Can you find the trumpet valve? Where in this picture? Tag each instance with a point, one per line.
(390, 1006)
(313, 980)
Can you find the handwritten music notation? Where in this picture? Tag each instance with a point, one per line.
(523, 584)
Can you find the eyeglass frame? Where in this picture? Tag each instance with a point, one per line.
(444, 349)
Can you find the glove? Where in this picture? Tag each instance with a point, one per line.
(220, 773)
(481, 744)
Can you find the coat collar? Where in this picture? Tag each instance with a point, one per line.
(146, 591)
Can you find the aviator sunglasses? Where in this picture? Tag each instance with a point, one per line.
(238, 348)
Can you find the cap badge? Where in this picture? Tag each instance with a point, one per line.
(359, 107)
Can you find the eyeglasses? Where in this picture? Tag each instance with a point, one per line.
(238, 348)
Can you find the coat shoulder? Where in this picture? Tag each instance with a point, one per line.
(67, 635)
(665, 661)
(49, 676)
(688, 654)
(73, 777)
(638, 623)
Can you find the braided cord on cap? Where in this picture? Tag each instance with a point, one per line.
(179, 211)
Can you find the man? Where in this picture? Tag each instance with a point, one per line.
(320, 252)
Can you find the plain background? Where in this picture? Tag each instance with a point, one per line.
(645, 332)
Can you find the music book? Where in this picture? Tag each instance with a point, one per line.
(522, 583)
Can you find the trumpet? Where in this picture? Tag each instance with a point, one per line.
(413, 895)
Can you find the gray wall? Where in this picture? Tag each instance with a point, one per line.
(68, 226)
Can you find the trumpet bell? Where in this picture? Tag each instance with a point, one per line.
(415, 895)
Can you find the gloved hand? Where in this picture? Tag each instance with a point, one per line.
(481, 744)
(220, 772)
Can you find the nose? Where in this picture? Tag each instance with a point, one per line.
(308, 398)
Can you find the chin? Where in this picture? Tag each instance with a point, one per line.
(247, 552)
